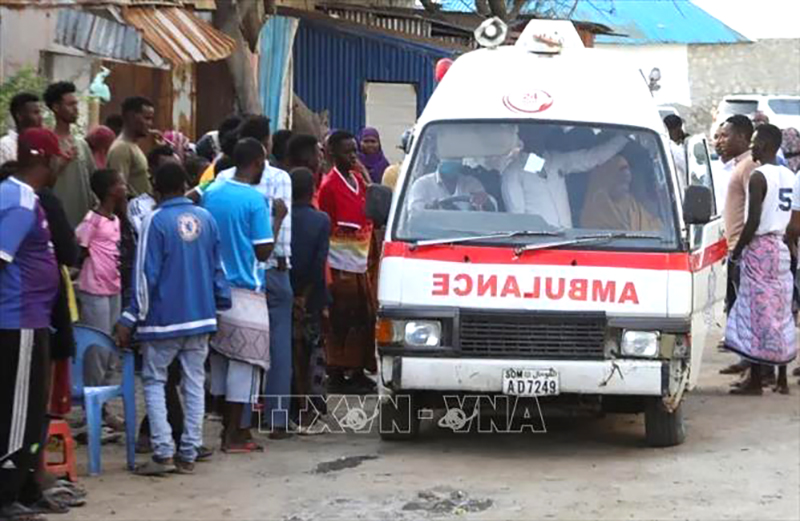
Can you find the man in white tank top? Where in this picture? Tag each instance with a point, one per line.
(760, 325)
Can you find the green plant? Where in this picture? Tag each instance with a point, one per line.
(25, 80)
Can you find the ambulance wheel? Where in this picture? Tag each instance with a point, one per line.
(663, 428)
(399, 419)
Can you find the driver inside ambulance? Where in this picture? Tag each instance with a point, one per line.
(449, 188)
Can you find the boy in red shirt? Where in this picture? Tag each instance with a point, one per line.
(343, 196)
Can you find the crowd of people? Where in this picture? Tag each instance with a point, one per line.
(758, 194)
(241, 269)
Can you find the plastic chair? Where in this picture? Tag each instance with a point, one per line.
(59, 429)
(93, 398)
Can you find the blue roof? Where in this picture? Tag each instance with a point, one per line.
(641, 21)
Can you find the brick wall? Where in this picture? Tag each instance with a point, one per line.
(762, 67)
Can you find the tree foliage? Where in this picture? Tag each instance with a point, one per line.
(25, 80)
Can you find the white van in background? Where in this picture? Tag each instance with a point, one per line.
(783, 111)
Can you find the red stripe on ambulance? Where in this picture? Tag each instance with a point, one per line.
(676, 261)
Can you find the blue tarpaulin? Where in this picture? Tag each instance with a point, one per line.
(274, 68)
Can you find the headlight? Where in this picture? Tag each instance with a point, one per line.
(640, 343)
(423, 333)
(411, 333)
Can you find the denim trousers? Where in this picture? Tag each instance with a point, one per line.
(191, 351)
(278, 388)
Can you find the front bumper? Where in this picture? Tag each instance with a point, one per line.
(607, 377)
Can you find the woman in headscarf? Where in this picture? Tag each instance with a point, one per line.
(610, 202)
(100, 139)
(791, 148)
(371, 154)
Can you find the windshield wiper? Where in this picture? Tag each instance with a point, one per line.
(584, 239)
(499, 235)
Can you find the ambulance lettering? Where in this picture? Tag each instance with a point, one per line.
(549, 288)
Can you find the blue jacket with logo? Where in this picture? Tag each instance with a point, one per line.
(178, 281)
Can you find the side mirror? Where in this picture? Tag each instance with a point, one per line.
(406, 140)
(697, 204)
(700, 153)
(379, 202)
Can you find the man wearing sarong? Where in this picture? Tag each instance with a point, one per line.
(351, 340)
(760, 325)
(310, 253)
(240, 351)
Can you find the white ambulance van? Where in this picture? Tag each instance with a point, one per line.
(541, 244)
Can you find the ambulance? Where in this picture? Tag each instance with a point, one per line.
(541, 244)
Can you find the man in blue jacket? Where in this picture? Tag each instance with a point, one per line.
(178, 287)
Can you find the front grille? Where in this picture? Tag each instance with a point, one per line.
(532, 335)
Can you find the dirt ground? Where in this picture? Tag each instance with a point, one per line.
(741, 460)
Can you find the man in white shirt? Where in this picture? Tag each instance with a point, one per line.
(27, 113)
(536, 184)
(432, 190)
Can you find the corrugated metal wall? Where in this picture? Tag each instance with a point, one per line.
(331, 68)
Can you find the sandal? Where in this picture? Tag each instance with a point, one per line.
(19, 512)
(47, 504)
(68, 486)
(154, 467)
(242, 448)
(65, 497)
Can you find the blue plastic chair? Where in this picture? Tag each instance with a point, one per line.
(93, 398)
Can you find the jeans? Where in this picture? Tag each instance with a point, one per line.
(280, 299)
(100, 312)
(174, 406)
(158, 355)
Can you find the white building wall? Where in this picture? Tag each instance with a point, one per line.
(671, 59)
(24, 33)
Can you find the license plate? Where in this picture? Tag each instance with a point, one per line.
(530, 382)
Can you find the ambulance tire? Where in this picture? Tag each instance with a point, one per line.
(399, 421)
(663, 428)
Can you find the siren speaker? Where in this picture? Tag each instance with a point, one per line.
(491, 33)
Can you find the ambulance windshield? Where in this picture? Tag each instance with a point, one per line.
(494, 177)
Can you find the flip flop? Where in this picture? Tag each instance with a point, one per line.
(242, 448)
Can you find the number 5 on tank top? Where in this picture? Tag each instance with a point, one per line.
(785, 198)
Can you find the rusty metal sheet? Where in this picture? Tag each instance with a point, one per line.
(96, 3)
(178, 35)
(97, 35)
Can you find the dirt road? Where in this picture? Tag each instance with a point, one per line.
(741, 460)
